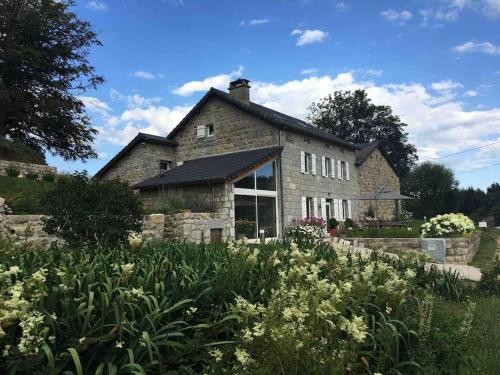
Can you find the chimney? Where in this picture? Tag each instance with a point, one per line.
(240, 89)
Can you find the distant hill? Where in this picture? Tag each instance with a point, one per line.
(15, 150)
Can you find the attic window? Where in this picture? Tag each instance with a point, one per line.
(204, 131)
(210, 130)
(165, 166)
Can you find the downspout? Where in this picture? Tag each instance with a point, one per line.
(282, 204)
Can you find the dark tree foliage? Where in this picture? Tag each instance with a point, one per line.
(473, 203)
(433, 188)
(86, 211)
(493, 201)
(44, 66)
(13, 149)
(351, 116)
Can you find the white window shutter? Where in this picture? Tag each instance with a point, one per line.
(313, 169)
(333, 167)
(323, 166)
(336, 209)
(347, 170)
(200, 131)
(349, 209)
(323, 208)
(302, 161)
(339, 169)
(304, 207)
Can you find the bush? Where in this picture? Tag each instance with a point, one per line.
(31, 175)
(12, 171)
(490, 279)
(333, 223)
(307, 228)
(16, 150)
(24, 196)
(447, 225)
(48, 177)
(92, 212)
(348, 223)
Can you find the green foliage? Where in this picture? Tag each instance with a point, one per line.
(353, 117)
(24, 196)
(15, 150)
(333, 223)
(45, 69)
(92, 212)
(349, 223)
(12, 171)
(31, 175)
(490, 279)
(49, 177)
(433, 188)
(373, 232)
(245, 228)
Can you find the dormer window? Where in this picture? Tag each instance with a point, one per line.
(165, 166)
(204, 131)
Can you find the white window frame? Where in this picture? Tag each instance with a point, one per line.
(343, 170)
(208, 132)
(307, 162)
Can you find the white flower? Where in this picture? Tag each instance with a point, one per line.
(127, 268)
(119, 344)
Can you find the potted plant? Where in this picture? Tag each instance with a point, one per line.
(333, 224)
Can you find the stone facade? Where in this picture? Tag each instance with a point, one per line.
(142, 162)
(26, 228)
(459, 250)
(40, 169)
(376, 171)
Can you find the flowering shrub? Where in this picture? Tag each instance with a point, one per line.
(307, 228)
(446, 225)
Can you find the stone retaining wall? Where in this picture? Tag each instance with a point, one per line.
(459, 250)
(26, 228)
(40, 169)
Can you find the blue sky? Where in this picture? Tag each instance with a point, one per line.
(436, 62)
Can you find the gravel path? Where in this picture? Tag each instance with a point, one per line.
(464, 270)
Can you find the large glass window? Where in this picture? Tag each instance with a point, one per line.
(255, 203)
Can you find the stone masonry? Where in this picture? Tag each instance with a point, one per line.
(40, 169)
(376, 171)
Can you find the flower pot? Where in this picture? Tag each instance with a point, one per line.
(333, 232)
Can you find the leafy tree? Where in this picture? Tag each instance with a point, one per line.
(86, 211)
(433, 188)
(353, 117)
(44, 68)
(493, 201)
(12, 149)
(473, 203)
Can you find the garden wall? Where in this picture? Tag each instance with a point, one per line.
(26, 167)
(458, 250)
(189, 226)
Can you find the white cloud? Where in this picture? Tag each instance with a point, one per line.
(309, 36)
(397, 17)
(96, 105)
(342, 5)
(477, 47)
(255, 22)
(147, 75)
(134, 100)
(446, 85)
(450, 10)
(470, 93)
(309, 71)
(491, 8)
(220, 81)
(97, 5)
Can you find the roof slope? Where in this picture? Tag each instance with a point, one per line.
(140, 137)
(364, 150)
(212, 169)
(276, 118)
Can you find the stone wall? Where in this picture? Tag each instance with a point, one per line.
(142, 162)
(40, 169)
(376, 171)
(26, 228)
(459, 250)
(297, 184)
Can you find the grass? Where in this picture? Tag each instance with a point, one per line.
(24, 196)
(487, 250)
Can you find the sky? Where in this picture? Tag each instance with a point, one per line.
(435, 62)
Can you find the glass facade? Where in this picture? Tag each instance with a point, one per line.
(255, 203)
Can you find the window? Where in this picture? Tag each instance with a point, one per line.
(345, 209)
(210, 130)
(307, 162)
(327, 167)
(255, 203)
(309, 207)
(165, 166)
(343, 170)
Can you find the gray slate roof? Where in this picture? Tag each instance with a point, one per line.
(211, 169)
(364, 150)
(140, 137)
(274, 117)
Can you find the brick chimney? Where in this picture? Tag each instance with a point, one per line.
(240, 89)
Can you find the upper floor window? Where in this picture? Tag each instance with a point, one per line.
(263, 178)
(327, 164)
(165, 165)
(307, 163)
(203, 131)
(343, 170)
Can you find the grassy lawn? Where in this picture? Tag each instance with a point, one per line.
(489, 246)
(23, 195)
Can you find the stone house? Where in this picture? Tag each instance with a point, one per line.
(255, 168)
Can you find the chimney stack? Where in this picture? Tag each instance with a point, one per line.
(240, 89)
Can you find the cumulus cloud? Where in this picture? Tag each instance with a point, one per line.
(446, 85)
(220, 81)
(477, 47)
(147, 75)
(96, 105)
(450, 10)
(309, 71)
(255, 22)
(97, 5)
(470, 93)
(309, 36)
(397, 17)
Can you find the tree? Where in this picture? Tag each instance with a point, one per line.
(433, 188)
(351, 116)
(473, 203)
(86, 211)
(493, 201)
(44, 68)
